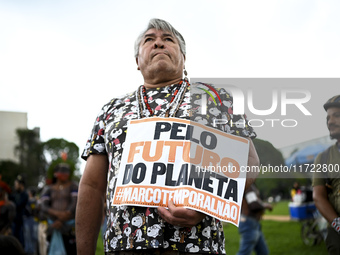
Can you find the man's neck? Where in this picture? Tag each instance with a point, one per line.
(159, 83)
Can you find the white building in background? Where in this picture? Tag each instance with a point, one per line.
(9, 123)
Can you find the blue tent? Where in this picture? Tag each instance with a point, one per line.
(305, 155)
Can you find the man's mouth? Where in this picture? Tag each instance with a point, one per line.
(330, 127)
(160, 53)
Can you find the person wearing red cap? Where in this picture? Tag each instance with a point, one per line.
(58, 204)
(326, 185)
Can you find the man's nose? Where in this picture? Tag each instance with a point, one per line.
(159, 43)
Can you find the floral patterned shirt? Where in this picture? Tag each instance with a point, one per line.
(134, 227)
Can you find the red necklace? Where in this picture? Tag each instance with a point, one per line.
(146, 101)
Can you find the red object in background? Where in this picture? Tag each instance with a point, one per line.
(4, 186)
(64, 156)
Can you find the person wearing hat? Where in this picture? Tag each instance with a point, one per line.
(326, 185)
(58, 204)
(7, 209)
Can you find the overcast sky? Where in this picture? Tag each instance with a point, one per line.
(60, 61)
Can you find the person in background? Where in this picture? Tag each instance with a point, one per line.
(9, 245)
(7, 209)
(42, 227)
(326, 185)
(31, 223)
(295, 190)
(252, 238)
(20, 198)
(58, 203)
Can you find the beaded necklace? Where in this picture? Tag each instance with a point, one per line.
(144, 109)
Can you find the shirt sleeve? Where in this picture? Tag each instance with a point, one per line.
(96, 141)
(253, 200)
(238, 124)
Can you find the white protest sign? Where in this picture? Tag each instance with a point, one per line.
(195, 166)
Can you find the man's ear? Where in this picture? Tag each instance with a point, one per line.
(137, 64)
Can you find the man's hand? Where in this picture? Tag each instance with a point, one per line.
(268, 206)
(64, 215)
(57, 224)
(179, 216)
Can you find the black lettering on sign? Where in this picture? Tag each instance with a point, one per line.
(207, 181)
(208, 140)
(169, 172)
(161, 127)
(183, 175)
(189, 133)
(175, 130)
(196, 177)
(231, 190)
(158, 169)
(127, 173)
(221, 180)
(138, 174)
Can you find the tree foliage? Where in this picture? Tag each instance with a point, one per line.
(268, 154)
(56, 146)
(37, 160)
(31, 156)
(9, 170)
(274, 185)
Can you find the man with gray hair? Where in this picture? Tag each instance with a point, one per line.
(160, 56)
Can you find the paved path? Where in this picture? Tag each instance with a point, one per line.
(277, 217)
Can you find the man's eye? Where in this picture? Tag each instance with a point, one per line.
(169, 39)
(148, 39)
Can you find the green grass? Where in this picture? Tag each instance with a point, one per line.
(100, 245)
(279, 208)
(282, 238)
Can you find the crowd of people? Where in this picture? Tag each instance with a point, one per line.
(43, 223)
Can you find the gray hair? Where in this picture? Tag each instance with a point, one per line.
(163, 25)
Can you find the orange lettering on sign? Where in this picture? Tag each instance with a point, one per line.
(134, 150)
(158, 152)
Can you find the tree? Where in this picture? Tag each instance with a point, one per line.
(37, 160)
(31, 157)
(271, 184)
(268, 154)
(56, 146)
(59, 150)
(9, 170)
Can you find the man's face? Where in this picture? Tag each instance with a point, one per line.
(63, 174)
(333, 122)
(160, 55)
